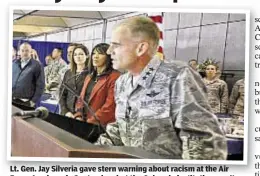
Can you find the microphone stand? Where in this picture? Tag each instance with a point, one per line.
(90, 110)
(63, 89)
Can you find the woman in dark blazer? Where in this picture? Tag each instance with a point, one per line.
(74, 78)
(98, 89)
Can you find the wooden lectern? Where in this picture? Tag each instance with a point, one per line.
(34, 137)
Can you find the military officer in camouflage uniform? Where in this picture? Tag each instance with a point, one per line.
(236, 100)
(160, 107)
(217, 90)
(55, 71)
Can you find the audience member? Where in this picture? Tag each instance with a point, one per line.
(27, 78)
(70, 49)
(14, 54)
(34, 55)
(217, 89)
(236, 100)
(98, 89)
(79, 63)
(48, 59)
(193, 64)
(55, 71)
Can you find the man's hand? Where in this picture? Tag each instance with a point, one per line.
(78, 116)
(69, 114)
(47, 87)
(32, 104)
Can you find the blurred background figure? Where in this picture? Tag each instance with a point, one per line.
(217, 89)
(70, 49)
(14, 54)
(98, 88)
(236, 100)
(193, 64)
(48, 59)
(34, 55)
(79, 63)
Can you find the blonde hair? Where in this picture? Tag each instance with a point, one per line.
(143, 27)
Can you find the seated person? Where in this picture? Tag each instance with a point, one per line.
(79, 63)
(98, 89)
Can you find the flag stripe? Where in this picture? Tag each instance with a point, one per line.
(158, 19)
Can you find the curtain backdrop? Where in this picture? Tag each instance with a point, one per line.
(44, 48)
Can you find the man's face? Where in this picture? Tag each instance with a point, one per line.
(122, 49)
(69, 52)
(48, 59)
(25, 51)
(56, 54)
(193, 64)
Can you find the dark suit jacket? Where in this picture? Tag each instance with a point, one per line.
(101, 99)
(68, 100)
(27, 82)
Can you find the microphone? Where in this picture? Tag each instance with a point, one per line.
(91, 112)
(63, 89)
(40, 112)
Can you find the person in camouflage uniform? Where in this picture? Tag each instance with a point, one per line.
(236, 100)
(217, 90)
(55, 71)
(160, 107)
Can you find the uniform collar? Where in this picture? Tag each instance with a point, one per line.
(148, 73)
(211, 81)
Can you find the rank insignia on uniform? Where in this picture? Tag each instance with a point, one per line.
(148, 73)
(145, 77)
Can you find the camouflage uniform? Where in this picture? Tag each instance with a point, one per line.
(166, 113)
(54, 73)
(236, 100)
(217, 95)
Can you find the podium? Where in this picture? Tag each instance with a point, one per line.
(34, 137)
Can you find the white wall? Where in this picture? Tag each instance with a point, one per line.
(58, 37)
(186, 36)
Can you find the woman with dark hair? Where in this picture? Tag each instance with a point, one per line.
(74, 78)
(98, 89)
